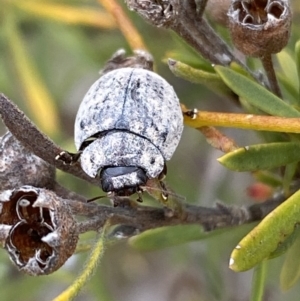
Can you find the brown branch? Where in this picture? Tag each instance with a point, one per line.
(201, 5)
(195, 30)
(185, 18)
(35, 141)
(143, 218)
(271, 75)
(67, 194)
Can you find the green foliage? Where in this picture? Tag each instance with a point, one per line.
(209, 79)
(262, 156)
(164, 237)
(265, 238)
(91, 265)
(52, 54)
(255, 94)
(288, 75)
(290, 272)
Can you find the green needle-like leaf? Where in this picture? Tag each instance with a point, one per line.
(288, 76)
(297, 54)
(93, 261)
(255, 94)
(211, 80)
(265, 238)
(290, 272)
(262, 156)
(287, 244)
(36, 93)
(69, 14)
(170, 236)
(258, 282)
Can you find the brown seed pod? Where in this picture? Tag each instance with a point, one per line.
(260, 27)
(39, 229)
(19, 167)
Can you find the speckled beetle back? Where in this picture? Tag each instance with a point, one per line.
(135, 100)
(130, 117)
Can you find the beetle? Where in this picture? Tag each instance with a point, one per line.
(127, 126)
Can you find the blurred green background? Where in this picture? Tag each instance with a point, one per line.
(46, 56)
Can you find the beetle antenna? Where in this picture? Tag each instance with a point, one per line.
(96, 198)
(164, 191)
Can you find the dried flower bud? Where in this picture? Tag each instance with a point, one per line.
(39, 229)
(18, 166)
(260, 192)
(141, 59)
(158, 13)
(260, 27)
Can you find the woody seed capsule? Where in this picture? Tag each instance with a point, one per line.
(37, 229)
(260, 27)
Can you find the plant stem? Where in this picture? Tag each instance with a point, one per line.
(92, 263)
(34, 140)
(258, 281)
(200, 4)
(144, 218)
(269, 68)
(217, 139)
(196, 31)
(44, 113)
(242, 121)
(130, 32)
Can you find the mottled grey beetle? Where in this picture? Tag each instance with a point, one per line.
(128, 124)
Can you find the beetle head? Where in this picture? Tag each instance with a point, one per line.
(122, 180)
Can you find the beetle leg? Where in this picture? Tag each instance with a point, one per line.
(68, 158)
(173, 203)
(139, 193)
